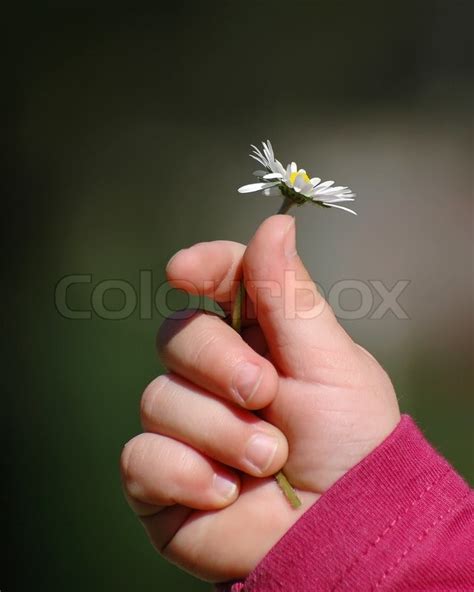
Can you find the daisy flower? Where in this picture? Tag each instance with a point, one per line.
(294, 184)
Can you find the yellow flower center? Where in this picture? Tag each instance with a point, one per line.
(294, 175)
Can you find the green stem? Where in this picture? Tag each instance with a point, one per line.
(236, 316)
(237, 308)
(286, 205)
(288, 490)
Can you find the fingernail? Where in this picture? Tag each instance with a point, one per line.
(224, 487)
(247, 380)
(289, 242)
(260, 451)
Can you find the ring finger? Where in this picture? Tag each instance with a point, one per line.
(235, 437)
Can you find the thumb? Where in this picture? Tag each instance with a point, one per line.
(298, 324)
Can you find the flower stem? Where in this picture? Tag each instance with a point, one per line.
(286, 205)
(288, 490)
(237, 305)
(236, 316)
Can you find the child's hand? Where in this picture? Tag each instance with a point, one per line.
(200, 477)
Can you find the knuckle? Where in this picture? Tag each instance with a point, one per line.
(203, 352)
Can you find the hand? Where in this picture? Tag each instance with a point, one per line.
(294, 392)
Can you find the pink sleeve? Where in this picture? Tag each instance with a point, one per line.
(402, 519)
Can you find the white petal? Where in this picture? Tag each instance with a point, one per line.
(334, 199)
(315, 181)
(259, 160)
(279, 168)
(294, 168)
(266, 152)
(329, 191)
(273, 167)
(262, 158)
(307, 189)
(257, 150)
(271, 176)
(340, 208)
(259, 173)
(255, 187)
(288, 175)
(334, 190)
(270, 150)
(327, 195)
(324, 185)
(251, 187)
(299, 183)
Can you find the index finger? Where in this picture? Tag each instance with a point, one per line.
(212, 269)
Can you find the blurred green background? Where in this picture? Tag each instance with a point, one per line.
(128, 131)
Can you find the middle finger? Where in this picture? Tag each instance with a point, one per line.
(205, 350)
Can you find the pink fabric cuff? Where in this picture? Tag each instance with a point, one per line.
(399, 520)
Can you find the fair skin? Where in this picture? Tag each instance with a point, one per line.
(294, 393)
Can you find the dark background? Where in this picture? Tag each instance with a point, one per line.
(127, 133)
